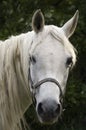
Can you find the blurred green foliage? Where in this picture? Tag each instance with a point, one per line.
(15, 18)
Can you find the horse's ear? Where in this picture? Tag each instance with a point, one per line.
(38, 21)
(70, 26)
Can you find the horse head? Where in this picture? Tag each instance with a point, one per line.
(51, 58)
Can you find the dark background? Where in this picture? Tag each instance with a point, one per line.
(15, 18)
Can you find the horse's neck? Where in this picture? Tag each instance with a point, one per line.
(14, 89)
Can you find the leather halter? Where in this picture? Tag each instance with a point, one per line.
(34, 87)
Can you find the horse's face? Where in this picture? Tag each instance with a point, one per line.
(49, 68)
(49, 60)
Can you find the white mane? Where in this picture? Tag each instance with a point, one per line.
(14, 63)
(14, 88)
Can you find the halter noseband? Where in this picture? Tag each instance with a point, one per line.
(37, 85)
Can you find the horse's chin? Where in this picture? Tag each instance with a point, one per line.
(46, 121)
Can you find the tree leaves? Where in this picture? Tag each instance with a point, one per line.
(15, 18)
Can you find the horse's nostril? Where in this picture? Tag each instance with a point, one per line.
(57, 110)
(40, 108)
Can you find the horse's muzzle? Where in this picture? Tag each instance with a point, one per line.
(49, 111)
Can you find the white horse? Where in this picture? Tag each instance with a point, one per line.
(34, 68)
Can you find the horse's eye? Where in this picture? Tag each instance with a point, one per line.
(69, 62)
(33, 59)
